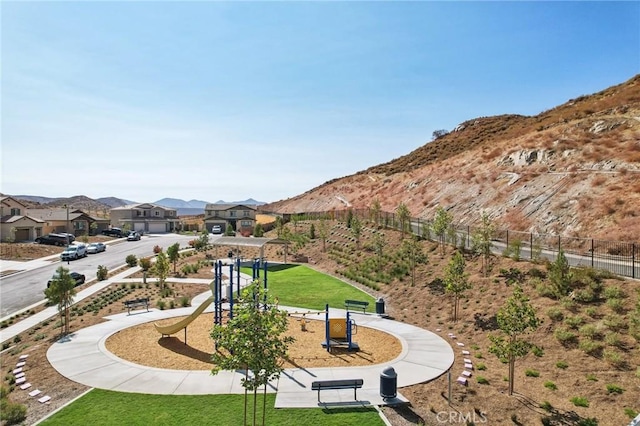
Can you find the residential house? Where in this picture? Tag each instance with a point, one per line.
(60, 219)
(241, 217)
(16, 224)
(145, 217)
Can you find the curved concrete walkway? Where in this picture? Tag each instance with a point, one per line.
(83, 358)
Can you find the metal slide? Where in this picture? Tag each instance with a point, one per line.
(174, 328)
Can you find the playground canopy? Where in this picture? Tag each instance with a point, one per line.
(258, 242)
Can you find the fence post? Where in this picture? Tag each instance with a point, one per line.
(507, 240)
(468, 237)
(633, 260)
(559, 246)
(592, 252)
(531, 245)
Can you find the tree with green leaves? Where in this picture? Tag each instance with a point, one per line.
(441, 224)
(516, 318)
(560, 275)
(61, 292)
(456, 280)
(161, 268)
(379, 241)
(173, 254)
(203, 240)
(412, 250)
(253, 341)
(375, 211)
(229, 232)
(312, 232)
(404, 218)
(258, 231)
(349, 217)
(323, 232)
(279, 226)
(356, 230)
(482, 241)
(295, 219)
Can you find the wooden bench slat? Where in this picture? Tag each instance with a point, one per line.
(359, 304)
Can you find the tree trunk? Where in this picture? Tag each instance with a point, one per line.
(512, 363)
(255, 404)
(246, 376)
(264, 405)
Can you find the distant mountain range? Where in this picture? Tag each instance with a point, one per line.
(176, 203)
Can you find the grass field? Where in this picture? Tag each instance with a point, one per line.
(104, 408)
(300, 286)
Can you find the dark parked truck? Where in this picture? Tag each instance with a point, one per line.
(113, 232)
(54, 240)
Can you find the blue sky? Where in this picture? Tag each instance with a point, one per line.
(231, 100)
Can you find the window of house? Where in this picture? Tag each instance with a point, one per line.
(144, 213)
(232, 213)
(246, 213)
(246, 223)
(15, 212)
(157, 213)
(137, 212)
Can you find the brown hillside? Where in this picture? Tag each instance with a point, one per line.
(574, 169)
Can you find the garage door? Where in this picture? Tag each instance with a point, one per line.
(22, 235)
(157, 228)
(138, 226)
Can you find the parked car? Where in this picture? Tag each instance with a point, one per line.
(78, 278)
(96, 248)
(74, 252)
(53, 240)
(133, 236)
(113, 232)
(71, 237)
(216, 229)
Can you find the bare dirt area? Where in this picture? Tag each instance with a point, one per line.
(546, 382)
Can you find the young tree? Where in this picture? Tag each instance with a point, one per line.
(482, 241)
(404, 218)
(312, 232)
(378, 243)
(253, 341)
(560, 275)
(441, 224)
(173, 254)
(412, 249)
(295, 219)
(61, 293)
(516, 318)
(203, 239)
(456, 281)
(279, 226)
(349, 217)
(375, 211)
(161, 268)
(229, 231)
(258, 231)
(356, 230)
(323, 232)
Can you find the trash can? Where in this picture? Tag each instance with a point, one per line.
(380, 306)
(388, 383)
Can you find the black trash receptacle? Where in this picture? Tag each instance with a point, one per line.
(388, 383)
(380, 306)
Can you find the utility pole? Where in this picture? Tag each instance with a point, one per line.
(66, 206)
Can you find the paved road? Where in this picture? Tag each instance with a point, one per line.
(25, 288)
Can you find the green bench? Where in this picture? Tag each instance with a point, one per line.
(356, 304)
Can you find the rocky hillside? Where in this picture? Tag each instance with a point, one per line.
(574, 170)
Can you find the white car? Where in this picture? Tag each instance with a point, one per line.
(216, 229)
(94, 248)
(74, 252)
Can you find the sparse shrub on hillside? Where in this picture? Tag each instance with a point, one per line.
(565, 337)
(555, 314)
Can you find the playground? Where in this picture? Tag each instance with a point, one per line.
(150, 349)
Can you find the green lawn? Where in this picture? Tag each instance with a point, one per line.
(101, 407)
(301, 286)
(294, 285)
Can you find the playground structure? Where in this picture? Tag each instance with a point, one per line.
(338, 331)
(216, 298)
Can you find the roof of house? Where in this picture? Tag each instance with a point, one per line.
(6, 197)
(55, 214)
(221, 206)
(143, 206)
(12, 219)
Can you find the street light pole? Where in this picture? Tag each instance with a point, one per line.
(66, 206)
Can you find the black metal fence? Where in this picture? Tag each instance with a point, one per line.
(618, 257)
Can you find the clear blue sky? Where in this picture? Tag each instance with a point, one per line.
(221, 100)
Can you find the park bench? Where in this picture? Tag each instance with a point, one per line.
(356, 304)
(135, 303)
(337, 384)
